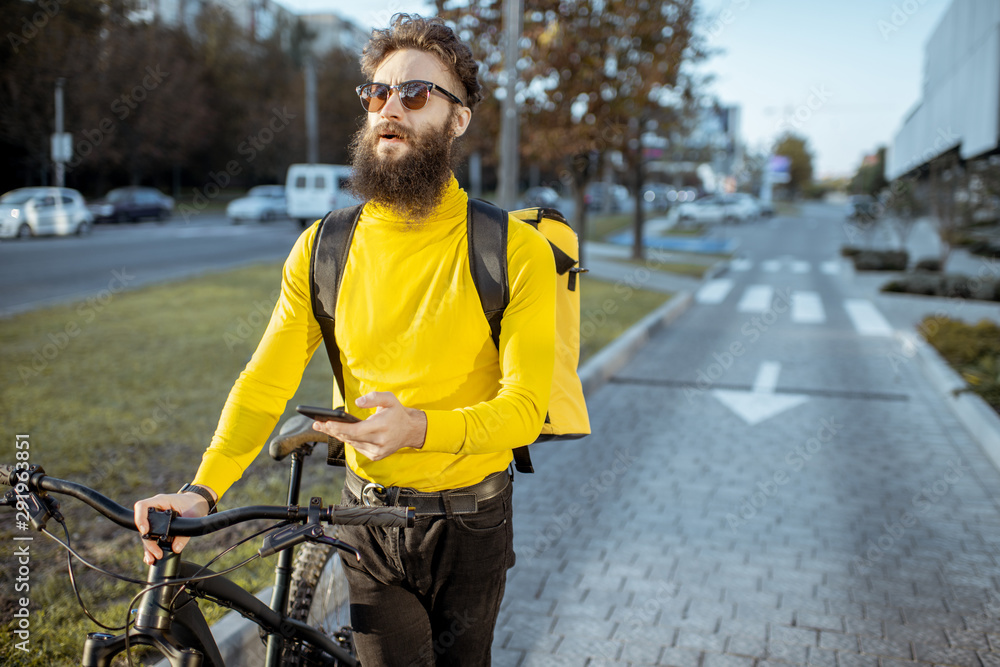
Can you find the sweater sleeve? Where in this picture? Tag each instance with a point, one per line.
(270, 379)
(527, 350)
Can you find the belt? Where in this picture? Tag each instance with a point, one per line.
(464, 500)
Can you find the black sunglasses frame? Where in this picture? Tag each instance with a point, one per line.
(431, 86)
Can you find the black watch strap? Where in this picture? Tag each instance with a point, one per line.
(203, 492)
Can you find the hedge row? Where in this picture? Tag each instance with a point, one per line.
(949, 285)
(876, 260)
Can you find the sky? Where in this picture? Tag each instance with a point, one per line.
(842, 73)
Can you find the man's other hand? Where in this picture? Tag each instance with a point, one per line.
(392, 427)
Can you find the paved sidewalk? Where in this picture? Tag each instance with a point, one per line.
(627, 553)
(663, 538)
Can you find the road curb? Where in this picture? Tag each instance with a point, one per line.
(975, 414)
(613, 357)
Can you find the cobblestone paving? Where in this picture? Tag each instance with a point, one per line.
(847, 532)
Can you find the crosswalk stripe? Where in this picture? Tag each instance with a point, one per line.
(771, 265)
(867, 320)
(756, 299)
(740, 264)
(830, 268)
(807, 308)
(801, 267)
(714, 291)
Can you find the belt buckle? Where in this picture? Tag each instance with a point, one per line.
(373, 495)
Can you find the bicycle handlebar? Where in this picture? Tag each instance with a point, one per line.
(35, 480)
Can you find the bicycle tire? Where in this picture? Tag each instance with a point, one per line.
(318, 596)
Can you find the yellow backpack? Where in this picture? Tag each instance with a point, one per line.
(487, 229)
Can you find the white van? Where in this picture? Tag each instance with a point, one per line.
(313, 190)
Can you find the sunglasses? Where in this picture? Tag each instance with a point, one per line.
(412, 94)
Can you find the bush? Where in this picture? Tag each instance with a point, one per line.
(881, 260)
(955, 286)
(930, 264)
(849, 251)
(973, 350)
(985, 248)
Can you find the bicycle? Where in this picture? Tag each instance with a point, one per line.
(300, 627)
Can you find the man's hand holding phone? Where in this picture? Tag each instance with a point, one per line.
(392, 427)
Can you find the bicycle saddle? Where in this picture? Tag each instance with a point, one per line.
(296, 434)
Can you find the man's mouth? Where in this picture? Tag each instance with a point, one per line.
(390, 136)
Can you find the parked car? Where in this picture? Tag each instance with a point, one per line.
(657, 196)
(745, 206)
(541, 196)
(263, 202)
(602, 196)
(714, 209)
(313, 190)
(132, 204)
(40, 211)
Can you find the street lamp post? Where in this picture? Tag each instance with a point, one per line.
(509, 125)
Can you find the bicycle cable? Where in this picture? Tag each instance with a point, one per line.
(76, 591)
(184, 581)
(71, 553)
(226, 551)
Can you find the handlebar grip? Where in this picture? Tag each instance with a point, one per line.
(389, 517)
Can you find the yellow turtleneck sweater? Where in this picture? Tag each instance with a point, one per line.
(409, 321)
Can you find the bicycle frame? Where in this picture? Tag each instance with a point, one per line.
(174, 631)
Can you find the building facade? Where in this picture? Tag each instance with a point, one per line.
(960, 104)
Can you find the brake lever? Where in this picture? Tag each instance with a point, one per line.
(289, 537)
(343, 546)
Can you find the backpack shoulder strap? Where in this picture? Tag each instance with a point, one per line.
(487, 230)
(326, 271)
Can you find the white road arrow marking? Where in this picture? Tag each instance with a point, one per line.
(761, 402)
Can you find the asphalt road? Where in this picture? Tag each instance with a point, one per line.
(44, 271)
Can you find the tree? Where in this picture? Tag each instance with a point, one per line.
(904, 208)
(947, 178)
(870, 177)
(796, 149)
(588, 69)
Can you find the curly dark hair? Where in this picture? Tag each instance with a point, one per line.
(432, 35)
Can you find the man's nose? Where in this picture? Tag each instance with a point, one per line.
(393, 108)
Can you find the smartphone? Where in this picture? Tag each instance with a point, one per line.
(327, 414)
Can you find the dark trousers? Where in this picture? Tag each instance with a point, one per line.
(429, 595)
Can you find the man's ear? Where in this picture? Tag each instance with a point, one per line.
(461, 122)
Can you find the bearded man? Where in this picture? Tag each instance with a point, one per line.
(443, 411)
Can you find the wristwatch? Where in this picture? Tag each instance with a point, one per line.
(201, 491)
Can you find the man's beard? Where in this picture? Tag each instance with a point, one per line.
(410, 183)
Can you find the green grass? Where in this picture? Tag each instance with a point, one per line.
(972, 350)
(692, 269)
(607, 310)
(599, 226)
(124, 395)
(787, 209)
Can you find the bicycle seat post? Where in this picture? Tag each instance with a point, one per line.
(154, 606)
